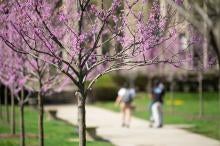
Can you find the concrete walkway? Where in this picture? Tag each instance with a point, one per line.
(139, 134)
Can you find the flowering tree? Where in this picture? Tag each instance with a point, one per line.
(12, 74)
(69, 36)
(42, 78)
(7, 78)
(1, 111)
(2, 57)
(20, 73)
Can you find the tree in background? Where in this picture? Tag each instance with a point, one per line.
(7, 78)
(21, 72)
(206, 15)
(2, 57)
(67, 35)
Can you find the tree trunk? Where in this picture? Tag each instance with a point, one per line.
(172, 96)
(6, 105)
(81, 119)
(1, 112)
(22, 134)
(149, 85)
(22, 126)
(219, 92)
(41, 118)
(201, 102)
(1, 108)
(12, 113)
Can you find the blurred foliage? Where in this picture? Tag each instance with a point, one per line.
(120, 80)
(106, 87)
(141, 82)
(105, 93)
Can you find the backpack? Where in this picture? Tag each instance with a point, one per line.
(128, 97)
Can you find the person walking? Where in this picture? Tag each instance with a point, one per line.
(156, 106)
(124, 99)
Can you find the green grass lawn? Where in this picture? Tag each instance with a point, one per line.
(185, 110)
(57, 133)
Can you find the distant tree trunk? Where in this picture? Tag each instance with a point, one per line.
(219, 92)
(1, 112)
(219, 101)
(1, 115)
(41, 117)
(22, 136)
(131, 80)
(217, 50)
(149, 86)
(171, 95)
(22, 125)
(12, 113)
(6, 105)
(81, 119)
(201, 100)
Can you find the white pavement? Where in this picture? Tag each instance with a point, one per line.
(139, 134)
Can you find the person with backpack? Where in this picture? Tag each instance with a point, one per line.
(157, 96)
(124, 99)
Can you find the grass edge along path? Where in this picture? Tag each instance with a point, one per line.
(57, 133)
(185, 111)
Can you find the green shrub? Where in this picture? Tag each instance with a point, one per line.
(104, 89)
(104, 93)
(141, 82)
(105, 81)
(119, 79)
